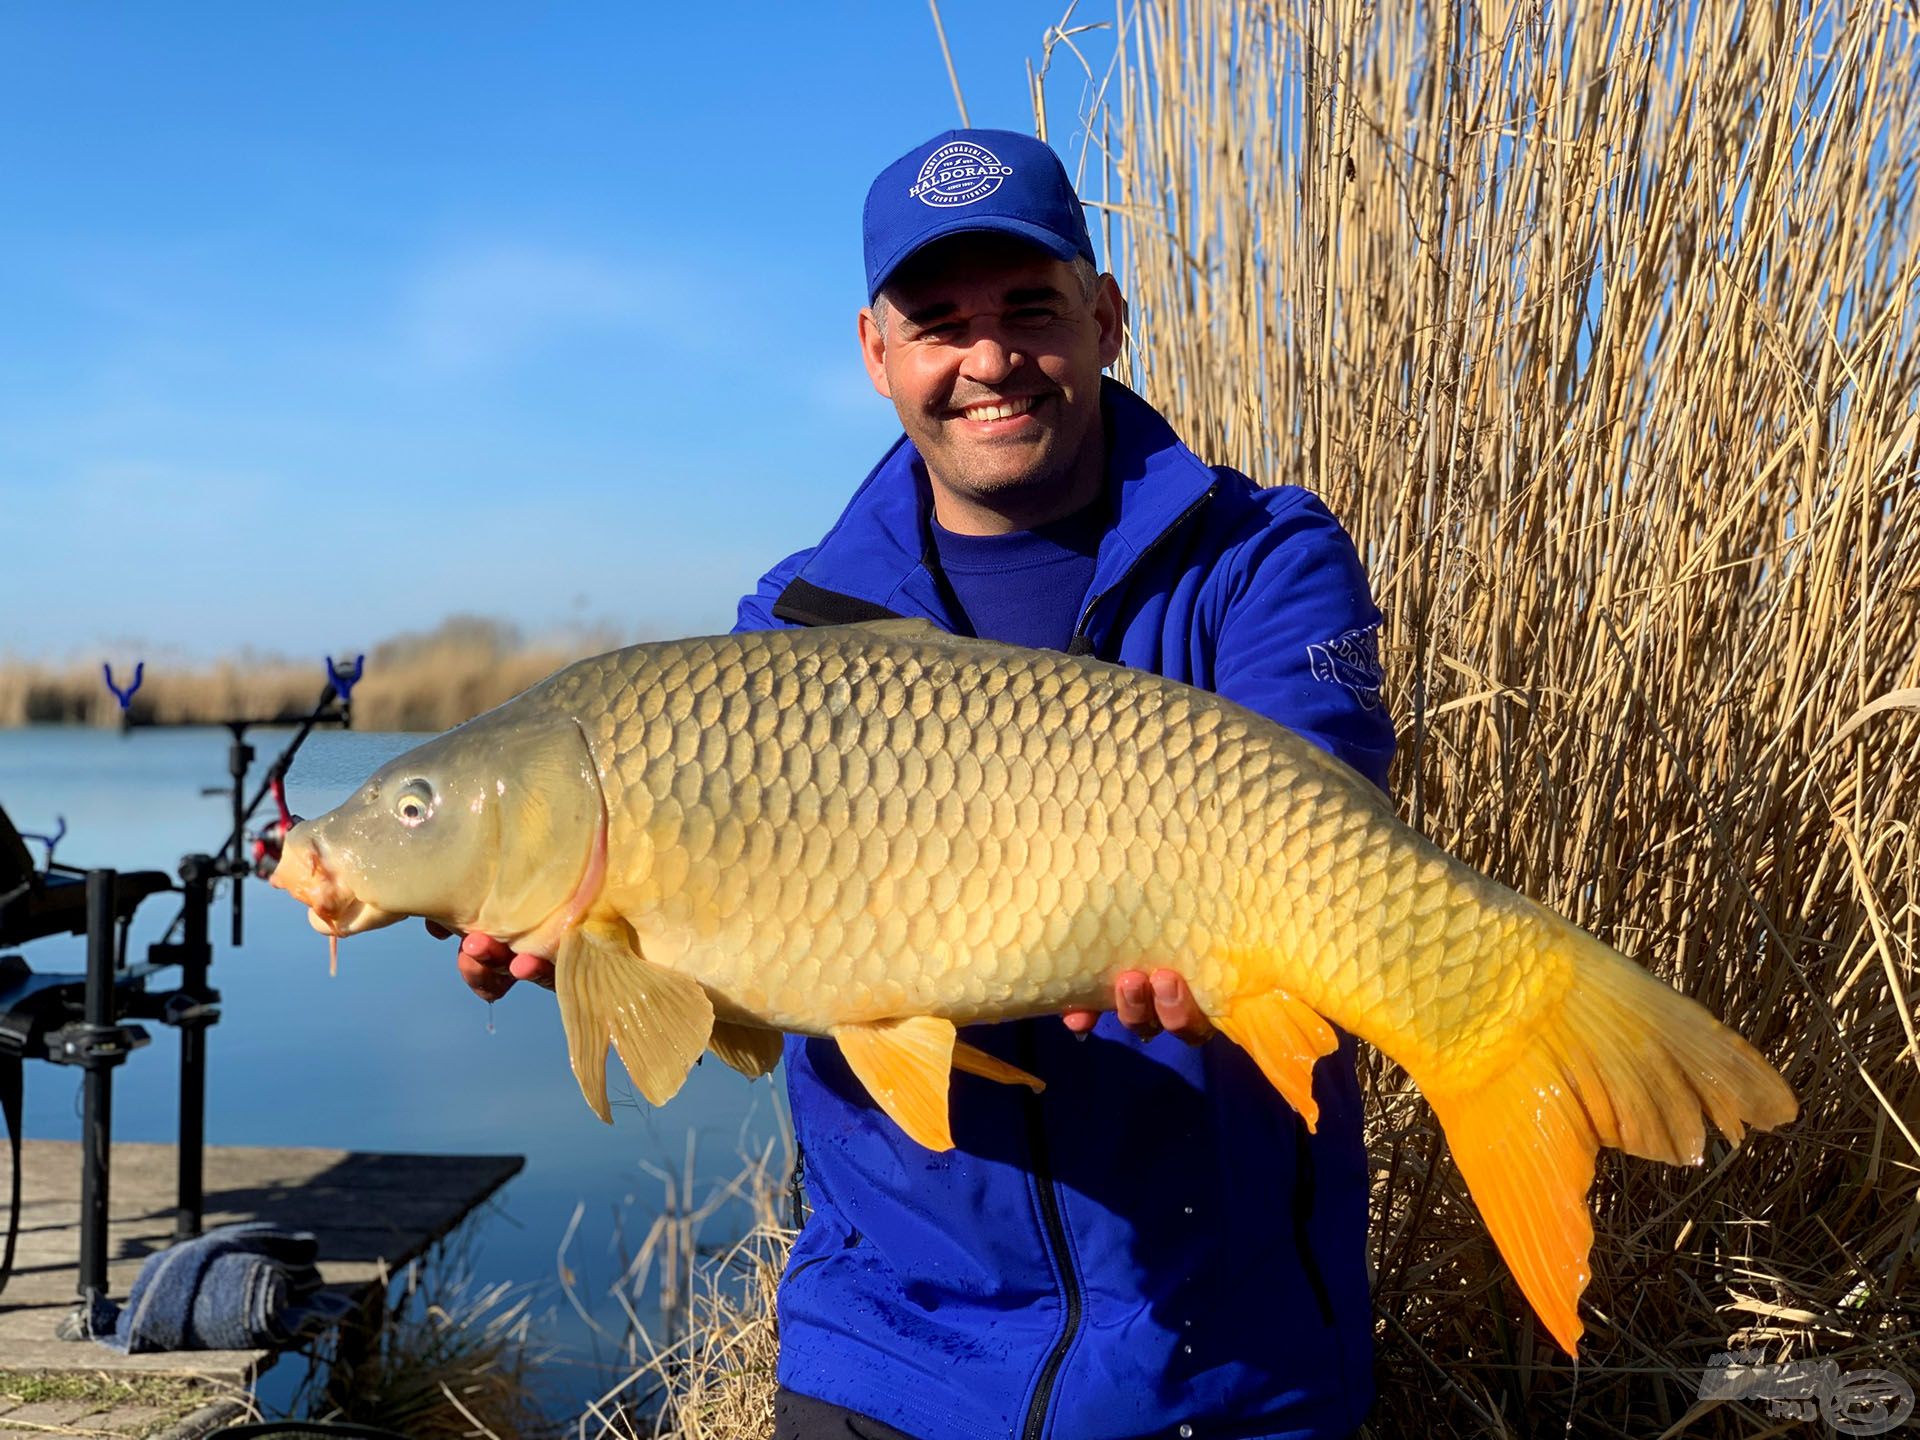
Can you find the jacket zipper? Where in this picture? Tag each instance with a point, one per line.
(1052, 1222)
(1303, 1188)
(1082, 643)
(1054, 1226)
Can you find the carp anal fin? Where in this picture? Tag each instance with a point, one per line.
(658, 1019)
(1285, 1037)
(991, 1067)
(751, 1050)
(1619, 1058)
(905, 1065)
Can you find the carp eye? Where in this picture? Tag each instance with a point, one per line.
(413, 803)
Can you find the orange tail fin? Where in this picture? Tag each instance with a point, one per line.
(1621, 1059)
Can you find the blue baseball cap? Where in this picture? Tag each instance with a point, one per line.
(971, 180)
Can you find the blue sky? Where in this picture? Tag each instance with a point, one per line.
(320, 322)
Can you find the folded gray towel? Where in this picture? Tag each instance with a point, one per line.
(240, 1287)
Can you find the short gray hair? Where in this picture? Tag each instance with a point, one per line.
(1084, 270)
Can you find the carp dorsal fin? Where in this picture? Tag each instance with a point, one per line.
(905, 1065)
(659, 1020)
(991, 1067)
(911, 627)
(747, 1048)
(1285, 1037)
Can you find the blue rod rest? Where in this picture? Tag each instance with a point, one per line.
(344, 679)
(125, 697)
(59, 834)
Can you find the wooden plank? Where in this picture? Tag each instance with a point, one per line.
(370, 1213)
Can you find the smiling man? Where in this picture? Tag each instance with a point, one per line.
(1154, 1246)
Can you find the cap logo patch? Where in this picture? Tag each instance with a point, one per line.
(959, 173)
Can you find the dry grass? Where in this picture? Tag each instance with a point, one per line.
(450, 1360)
(709, 1374)
(429, 681)
(1598, 326)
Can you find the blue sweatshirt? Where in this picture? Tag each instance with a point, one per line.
(1155, 1241)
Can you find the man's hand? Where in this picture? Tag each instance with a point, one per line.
(491, 968)
(1148, 1006)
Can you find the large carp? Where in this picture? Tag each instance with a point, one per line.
(879, 832)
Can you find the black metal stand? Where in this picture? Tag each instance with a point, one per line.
(97, 1045)
(192, 1008)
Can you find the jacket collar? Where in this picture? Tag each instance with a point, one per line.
(877, 553)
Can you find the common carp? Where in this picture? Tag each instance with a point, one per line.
(879, 832)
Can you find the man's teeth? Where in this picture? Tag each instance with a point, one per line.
(1000, 410)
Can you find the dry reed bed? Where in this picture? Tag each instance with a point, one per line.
(429, 681)
(1598, 326)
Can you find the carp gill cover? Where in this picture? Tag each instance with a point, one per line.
(880, 832)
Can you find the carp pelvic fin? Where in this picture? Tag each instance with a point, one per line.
(658, 1019)
(1285, 1037)
(905, 1065)
(1620, 1058)
(978, 1062)
(747, 1048)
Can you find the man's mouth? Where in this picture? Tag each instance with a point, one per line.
(1001, 414)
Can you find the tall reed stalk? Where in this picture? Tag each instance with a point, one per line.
(1599, 325)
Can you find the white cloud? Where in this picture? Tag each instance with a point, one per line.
(487, 306)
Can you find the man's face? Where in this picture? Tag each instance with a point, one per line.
(992, 356)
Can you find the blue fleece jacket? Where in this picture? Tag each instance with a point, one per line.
(1155, 1241)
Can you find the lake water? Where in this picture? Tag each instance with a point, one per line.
(394, 1054)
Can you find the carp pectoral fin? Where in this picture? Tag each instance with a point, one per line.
(747, 1048)
(1285, 1037)
(978, 1062)
(905, 1065)
(657, 1019)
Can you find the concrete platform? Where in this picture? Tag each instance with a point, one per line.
(371, 1212)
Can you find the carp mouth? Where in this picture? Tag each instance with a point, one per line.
(332, 908)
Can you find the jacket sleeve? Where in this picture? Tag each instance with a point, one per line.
(756, 610)
(1299, 634)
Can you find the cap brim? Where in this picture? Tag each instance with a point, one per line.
(1058, 246)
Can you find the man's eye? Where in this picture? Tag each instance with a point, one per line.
(1032, 315)
(945, 330)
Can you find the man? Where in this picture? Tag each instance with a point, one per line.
(1154, 1245)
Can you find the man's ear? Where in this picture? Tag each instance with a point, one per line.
(873, 350)
(1110, 310)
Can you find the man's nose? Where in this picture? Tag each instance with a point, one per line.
(990, 360)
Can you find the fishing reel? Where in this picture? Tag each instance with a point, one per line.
(265, 844)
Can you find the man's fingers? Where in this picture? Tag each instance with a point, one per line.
(1174, 1007)
(532, 967)
(1133, 1003)
(1080, 1021)
(486, 950)
(485, 981)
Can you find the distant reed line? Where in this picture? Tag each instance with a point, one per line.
(426, 682)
